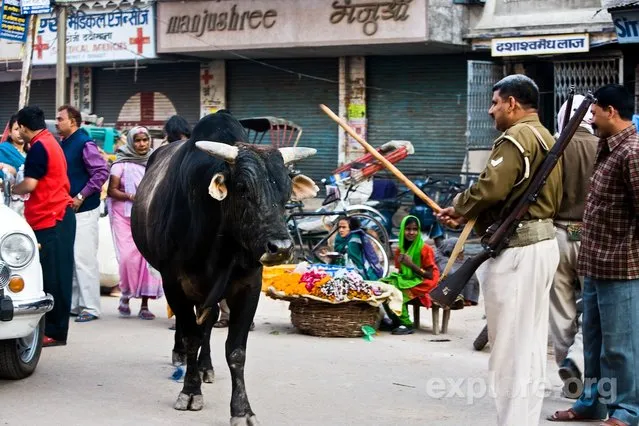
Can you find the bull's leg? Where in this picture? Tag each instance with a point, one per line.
(242, 304)
(207, 372)
(178, 357)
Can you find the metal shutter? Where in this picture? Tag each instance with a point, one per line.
(180, 83)
(425, 103)
(256, 90)
(42, 95)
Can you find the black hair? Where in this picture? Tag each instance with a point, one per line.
(618, 97)
(411, 220)
(354, 223)
(175, 128)
(520, 87)
(31, 117)
(73, 114)
(12, 121)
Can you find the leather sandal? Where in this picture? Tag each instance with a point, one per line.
(569, 415)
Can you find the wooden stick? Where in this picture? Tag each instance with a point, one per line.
(433, 205)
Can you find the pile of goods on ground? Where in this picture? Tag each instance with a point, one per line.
(326, 283)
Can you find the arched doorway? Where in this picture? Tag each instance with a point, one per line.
(148, 109)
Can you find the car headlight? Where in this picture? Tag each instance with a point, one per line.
(17, 250)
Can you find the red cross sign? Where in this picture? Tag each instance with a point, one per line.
(40, 47)
(140, 40)
(206, 77)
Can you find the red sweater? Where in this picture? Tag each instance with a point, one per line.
(48, 202)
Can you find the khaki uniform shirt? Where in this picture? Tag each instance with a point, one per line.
(503, 181)
(578, 163)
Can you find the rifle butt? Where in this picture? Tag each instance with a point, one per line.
(452, 285)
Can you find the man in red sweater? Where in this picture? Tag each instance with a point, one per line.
(49, 212)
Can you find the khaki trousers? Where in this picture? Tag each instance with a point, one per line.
(565, 326)
(86, 272)
(516, 287)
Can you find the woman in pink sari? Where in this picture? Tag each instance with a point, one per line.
(136, 281)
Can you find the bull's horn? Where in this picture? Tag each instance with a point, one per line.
(219, 150)
(295, 154)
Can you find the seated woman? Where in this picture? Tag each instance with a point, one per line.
(349, 243)
(418, 273)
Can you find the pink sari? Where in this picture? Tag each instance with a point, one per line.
(135, 278)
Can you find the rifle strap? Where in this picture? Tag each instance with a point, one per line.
(458, 247)
(521, 149)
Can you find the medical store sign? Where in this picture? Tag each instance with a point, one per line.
(541, 45)
(116, 35)
(626, 26)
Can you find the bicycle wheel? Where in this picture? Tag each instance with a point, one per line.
(373, 227)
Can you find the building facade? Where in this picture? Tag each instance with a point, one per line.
(393, 69)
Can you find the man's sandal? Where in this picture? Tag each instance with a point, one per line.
(569, 415)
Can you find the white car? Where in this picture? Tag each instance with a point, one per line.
(23, 302)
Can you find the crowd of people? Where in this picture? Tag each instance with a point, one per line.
(579, 238)
(57, 187)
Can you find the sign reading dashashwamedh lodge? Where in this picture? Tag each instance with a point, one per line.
(540, 45)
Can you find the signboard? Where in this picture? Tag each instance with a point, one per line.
(541, 45)
(627, 26)
(14, 25)
(115, 35)
(223, 25)
(34, 7)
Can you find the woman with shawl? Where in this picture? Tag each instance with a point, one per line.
(12, 152)
(349, 242)
(418, 273)
(136, 281)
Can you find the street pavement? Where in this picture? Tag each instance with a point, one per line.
(118, 371)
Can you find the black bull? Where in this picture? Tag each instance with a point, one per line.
(207, 216)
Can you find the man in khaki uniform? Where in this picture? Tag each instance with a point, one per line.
(516, 284)
(565, 325)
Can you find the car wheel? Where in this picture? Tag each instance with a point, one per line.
(19, 357)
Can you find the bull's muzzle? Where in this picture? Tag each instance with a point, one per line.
(277, 252)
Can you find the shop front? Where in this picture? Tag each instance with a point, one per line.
(284, 59)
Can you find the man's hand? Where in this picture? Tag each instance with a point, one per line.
(451, 218)
(77, 203)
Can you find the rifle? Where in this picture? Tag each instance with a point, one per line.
(571, 95)
(499, 233)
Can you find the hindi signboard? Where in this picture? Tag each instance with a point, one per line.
(115, 35)
(14, 25)
(541, 45)
(34, 7)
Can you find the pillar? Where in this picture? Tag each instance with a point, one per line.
(81, 89)
(352, 106)
(212, 86)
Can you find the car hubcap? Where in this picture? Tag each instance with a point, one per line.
(27, 346)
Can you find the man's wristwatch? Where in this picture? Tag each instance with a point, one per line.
(80, 197)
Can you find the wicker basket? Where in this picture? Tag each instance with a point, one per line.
(332, 320)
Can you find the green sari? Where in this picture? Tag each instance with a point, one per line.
(353, 247)
(406, 279)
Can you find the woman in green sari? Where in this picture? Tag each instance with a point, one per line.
(418, 273)
(349, 242)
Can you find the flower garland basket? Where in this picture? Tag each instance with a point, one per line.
(317, 318)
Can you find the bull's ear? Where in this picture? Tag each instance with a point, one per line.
(303, 187)
(217, 187)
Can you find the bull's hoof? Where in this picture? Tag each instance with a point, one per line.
(189, 402)
(207, 375)
(178, 359)
(245, 421)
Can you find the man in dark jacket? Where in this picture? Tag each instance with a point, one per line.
(87, 171)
